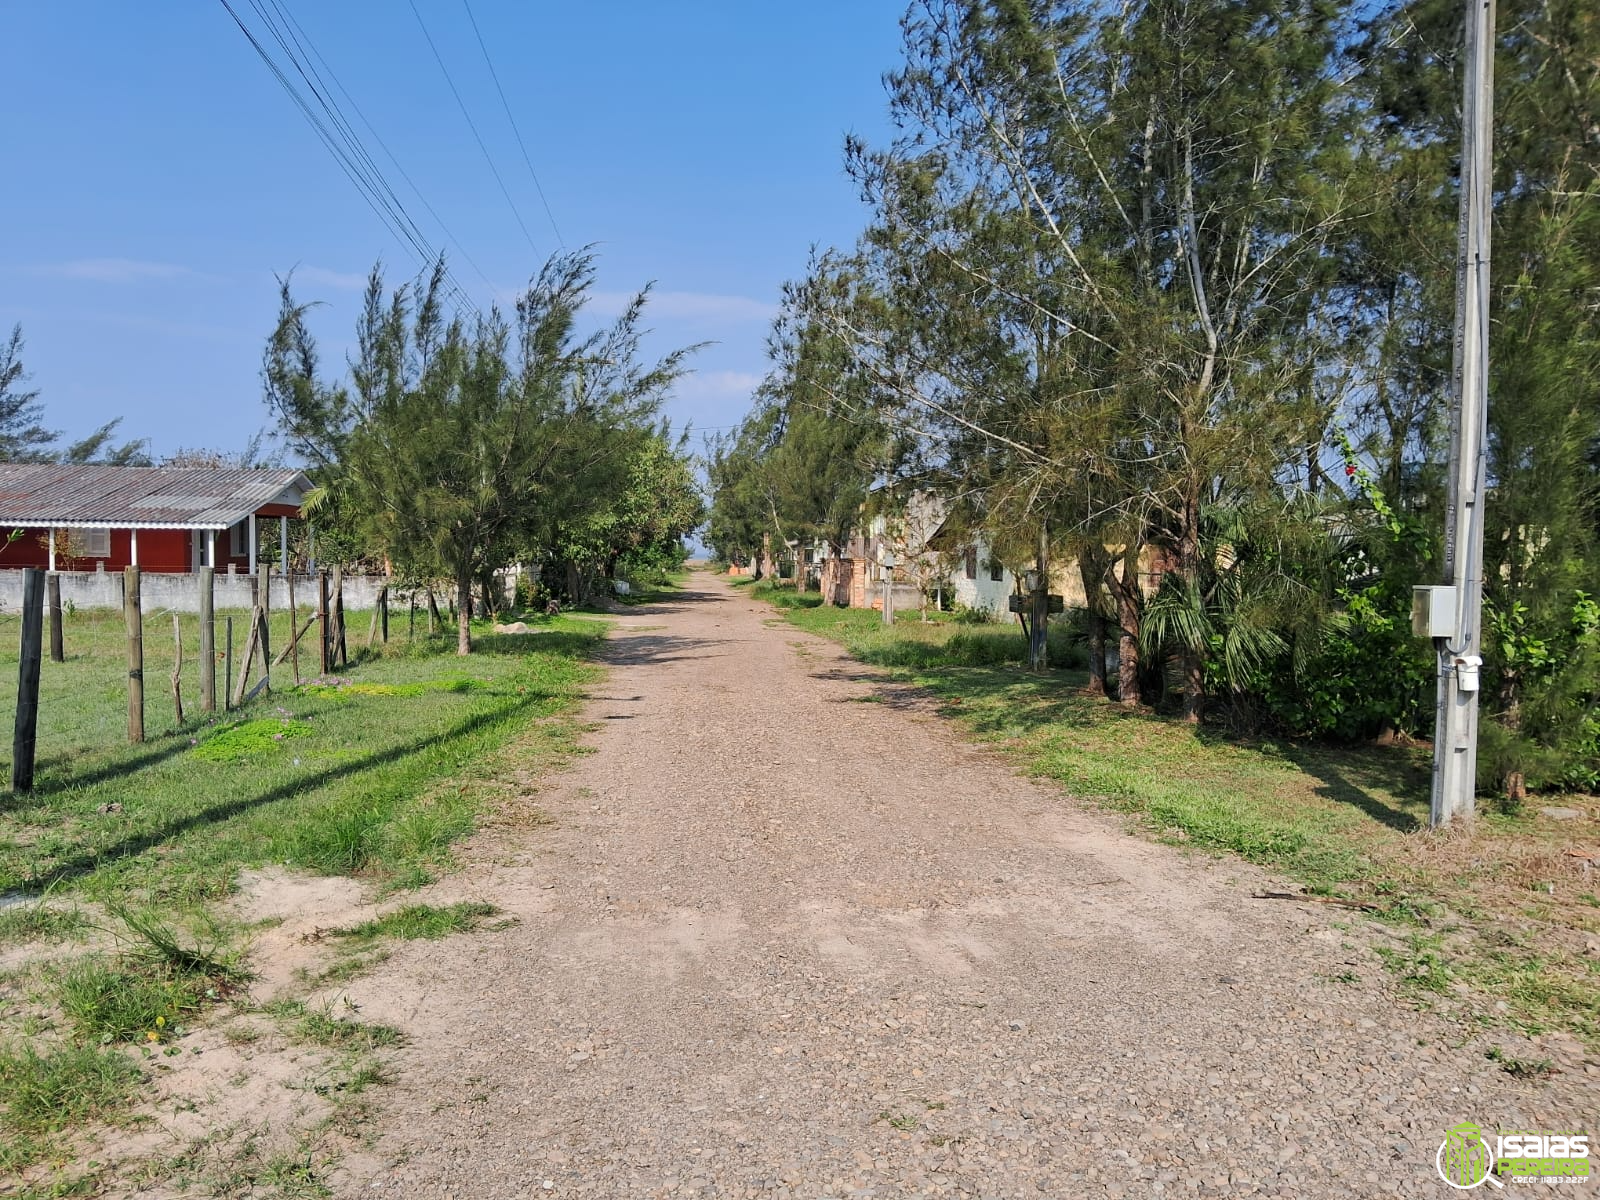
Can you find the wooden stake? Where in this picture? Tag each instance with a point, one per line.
(294, 642)
(208, 640)
(133, 618)
(25, 731)
(250, 643)
(266, 653)
(322, 620)
(380, 615)
(177, 669)
(227, 668)
(338, 616)
(294, 631)
(53, 591)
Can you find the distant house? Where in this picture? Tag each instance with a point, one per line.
(85, 517)
(932, 557)
(979, 580)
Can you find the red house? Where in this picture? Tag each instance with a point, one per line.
(84, 517)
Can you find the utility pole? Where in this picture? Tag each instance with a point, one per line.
(1455, 738)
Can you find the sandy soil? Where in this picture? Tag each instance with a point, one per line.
(781, 942)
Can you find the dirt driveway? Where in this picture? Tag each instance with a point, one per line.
(790, 936)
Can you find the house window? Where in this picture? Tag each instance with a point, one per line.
(972, 562)
(239, 540)
(996, 571)
(96, 543)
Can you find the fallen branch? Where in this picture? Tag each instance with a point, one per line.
(1361, 905)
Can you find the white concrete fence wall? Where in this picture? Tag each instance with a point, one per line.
(175, 592)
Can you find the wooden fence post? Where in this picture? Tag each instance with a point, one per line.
(322, 619)
(208, 640)
(338, 616)
(383, 607)
(294, 629)
(177, 668)
(53, 590)
(227, 669)
(25, 732)
(133, 617)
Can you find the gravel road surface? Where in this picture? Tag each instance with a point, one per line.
(782, 941)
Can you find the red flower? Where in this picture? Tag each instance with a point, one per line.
(1349, 469)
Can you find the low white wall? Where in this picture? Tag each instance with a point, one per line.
(164, 591)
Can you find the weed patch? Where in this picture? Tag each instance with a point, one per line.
(38, 922)
(248, 739)
(45, 1092)
(416, 921)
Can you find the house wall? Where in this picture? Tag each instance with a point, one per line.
(989, 595)
(159, 549)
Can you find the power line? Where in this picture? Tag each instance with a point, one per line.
(340, 139)
(462, 104)
(528, 162)
(384, 146)
(367, 166)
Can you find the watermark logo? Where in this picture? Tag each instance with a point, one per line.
(1465, 1160)
(1468, 1159)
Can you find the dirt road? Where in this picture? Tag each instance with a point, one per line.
(784, 941)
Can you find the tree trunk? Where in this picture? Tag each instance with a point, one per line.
(491, 604)
(1092, 570)
(1194, 669)
(1128, 597)
(464, 613)
(1194, 686)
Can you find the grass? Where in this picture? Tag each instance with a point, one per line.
(1495, 912)
(319, 1027)
(38, 921)
(376, 771)
(48, 1091)
(415, 921)
(346, 775)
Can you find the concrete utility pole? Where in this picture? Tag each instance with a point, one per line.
(1455, 739)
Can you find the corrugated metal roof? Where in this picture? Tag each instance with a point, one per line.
(42, 494)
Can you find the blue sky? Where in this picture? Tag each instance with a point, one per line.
(158, 177)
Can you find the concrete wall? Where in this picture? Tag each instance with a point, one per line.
(181, 593)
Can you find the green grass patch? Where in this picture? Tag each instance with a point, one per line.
(38, 921)
(47, 1091)
(348, 687)
(376, 772)
(247, 739)
(319, 1027)
(415, 921)
(111, 1000)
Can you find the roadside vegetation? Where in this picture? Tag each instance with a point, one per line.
(1506, 911)
(113, 868)
(1167, 290)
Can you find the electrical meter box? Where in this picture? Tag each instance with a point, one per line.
(1433, 611)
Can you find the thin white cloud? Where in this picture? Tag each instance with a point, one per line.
(343, 281)
(117, 270)
(686, 306)
(717, 385)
